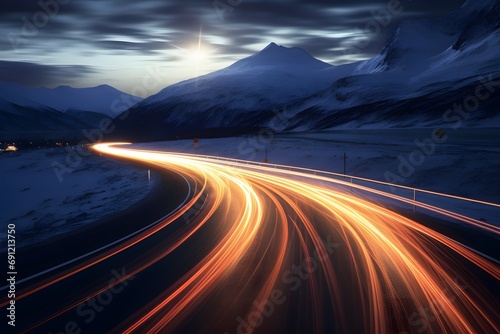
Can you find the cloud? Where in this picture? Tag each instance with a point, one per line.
(92, 22)
(151, 30)
(324, 28)
(35, 75)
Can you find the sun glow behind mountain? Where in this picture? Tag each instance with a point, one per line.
(121, 45)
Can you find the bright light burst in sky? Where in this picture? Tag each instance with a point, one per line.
(120, 42)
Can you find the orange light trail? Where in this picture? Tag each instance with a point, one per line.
(382, 271)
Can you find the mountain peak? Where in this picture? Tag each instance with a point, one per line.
(273, 46)
(69, 88)
(278, 55)
(280, 50)
(63, 98)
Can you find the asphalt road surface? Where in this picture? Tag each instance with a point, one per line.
(225, 247)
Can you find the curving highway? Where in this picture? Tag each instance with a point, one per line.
(255, 249)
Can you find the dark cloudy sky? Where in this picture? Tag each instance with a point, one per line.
(143, 46)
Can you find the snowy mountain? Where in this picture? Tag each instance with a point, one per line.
(464, 44)
(267, 67)
(234, 99)
(63, 98)
(425, 68)
(62, 112)
(37, 122)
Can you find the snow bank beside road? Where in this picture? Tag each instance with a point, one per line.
(41, 206)
(465, 164)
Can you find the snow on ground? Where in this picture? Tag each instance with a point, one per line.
(466, 163)
(43, 205)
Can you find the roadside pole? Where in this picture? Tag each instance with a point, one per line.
(195, 142)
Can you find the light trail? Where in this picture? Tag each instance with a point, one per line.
(263, 245)
(385, 246)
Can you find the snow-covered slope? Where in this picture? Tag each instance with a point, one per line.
(425, 67)
(242, 95)
(22, 119)
(266, 70)
(58, 113)
(462, 45)
(43, 203)
(35, 118)
(63, 98)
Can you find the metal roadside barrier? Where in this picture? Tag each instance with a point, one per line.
(415, 196)
(346, 176)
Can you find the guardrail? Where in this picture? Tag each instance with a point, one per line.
(415, 199)
(344, 176)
